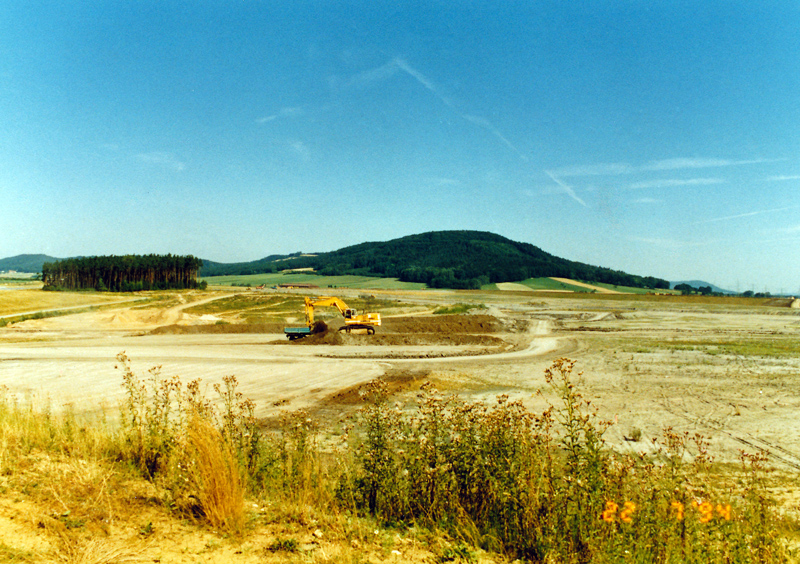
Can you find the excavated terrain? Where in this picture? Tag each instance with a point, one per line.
(727, 369)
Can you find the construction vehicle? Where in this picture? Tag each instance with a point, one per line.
(352, 319)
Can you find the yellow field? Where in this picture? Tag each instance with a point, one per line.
(16, 302)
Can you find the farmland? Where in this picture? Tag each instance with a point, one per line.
(726, 368)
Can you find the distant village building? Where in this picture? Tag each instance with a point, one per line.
(297, 286)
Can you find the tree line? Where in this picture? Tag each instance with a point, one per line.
(128, 273)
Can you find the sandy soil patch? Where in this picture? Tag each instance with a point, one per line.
(513, 287)
(598, 289)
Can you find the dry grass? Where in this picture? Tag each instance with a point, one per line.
(213, 473)
(77, 550)
(21, 301)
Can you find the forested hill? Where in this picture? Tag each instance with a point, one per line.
(25, 263)
(445, 259)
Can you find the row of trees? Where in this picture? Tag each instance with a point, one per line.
(687, 289)
(128, 273)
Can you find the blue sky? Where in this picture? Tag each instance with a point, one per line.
(659, 138)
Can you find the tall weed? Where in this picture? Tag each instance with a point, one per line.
(177, 437)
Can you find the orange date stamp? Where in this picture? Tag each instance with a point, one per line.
(705, 511)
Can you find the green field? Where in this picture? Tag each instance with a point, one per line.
(544, 284)
(273, 279)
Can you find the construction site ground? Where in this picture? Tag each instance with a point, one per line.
(726, 368)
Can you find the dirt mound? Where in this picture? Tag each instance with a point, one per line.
(222, 328)
(441, 324)
(397, 381)
(328, 337)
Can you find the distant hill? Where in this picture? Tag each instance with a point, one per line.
(25, 263)
(272, 263)
(701, 284)
(439, 259)
(444, 259)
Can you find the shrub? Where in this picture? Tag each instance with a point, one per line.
(547, 487)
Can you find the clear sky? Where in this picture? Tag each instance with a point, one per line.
(659, 138)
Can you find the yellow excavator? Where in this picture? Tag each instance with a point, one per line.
(352, 319)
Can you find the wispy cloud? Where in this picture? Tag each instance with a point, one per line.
(684, 163)
(399, 64)
(486, 124)
(673, 182)
(441, 181)
(282, 113)
(615, 169)
(369, 77)
(782, 178)
(747, 214)
(790, 230)
(566, 187)
(162, 159)
(423, 80)
(601, 169)
(647, 201)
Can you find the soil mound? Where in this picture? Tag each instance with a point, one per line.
(397, 381)
(441, 324)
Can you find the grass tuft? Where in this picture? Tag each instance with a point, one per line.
(213, 473)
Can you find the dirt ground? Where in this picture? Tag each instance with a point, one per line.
(647, 363)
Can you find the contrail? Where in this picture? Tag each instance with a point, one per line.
(748, 214)
(567, 188)
(422, 79)
(475, 120)
(486, 124)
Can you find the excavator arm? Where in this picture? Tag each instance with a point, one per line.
(338, 303)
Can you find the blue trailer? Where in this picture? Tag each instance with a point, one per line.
(293, 333)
